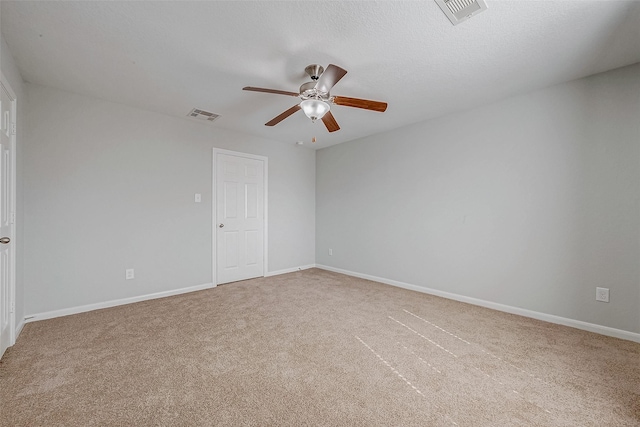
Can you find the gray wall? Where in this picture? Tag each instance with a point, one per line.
(109, 187)
(530, 202)
(12, 74)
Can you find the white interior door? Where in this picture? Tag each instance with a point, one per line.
(7, 140)
(240, 217)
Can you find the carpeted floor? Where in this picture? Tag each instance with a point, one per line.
(314, 348)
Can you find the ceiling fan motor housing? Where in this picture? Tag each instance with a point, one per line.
(308, 91)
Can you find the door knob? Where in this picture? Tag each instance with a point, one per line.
(221, 225)
(5, 240)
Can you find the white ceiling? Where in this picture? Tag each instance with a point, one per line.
(170, 57)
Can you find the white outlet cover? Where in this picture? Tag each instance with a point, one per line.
(129, 274)
(198, 198)
(602, 294)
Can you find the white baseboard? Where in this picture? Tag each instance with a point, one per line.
(289, 270)
(591, 327)
(113, 303)
(18, 330)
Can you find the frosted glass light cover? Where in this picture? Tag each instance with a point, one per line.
(314, 108)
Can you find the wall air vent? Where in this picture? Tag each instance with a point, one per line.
(460, 10)
(202, 115)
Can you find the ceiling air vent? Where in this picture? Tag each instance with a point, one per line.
(202, 115)
(460, 10)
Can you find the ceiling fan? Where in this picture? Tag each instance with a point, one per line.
(316, 99)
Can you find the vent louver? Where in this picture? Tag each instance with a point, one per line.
(202, 115)
(460, 10)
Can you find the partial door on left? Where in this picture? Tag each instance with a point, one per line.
(7, 142)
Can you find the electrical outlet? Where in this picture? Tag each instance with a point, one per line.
(602, 294)
(128, 274)
(331, 252)
(198, 198)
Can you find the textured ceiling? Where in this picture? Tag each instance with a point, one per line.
(170, 57)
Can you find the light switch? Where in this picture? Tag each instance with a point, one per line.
(198, 197)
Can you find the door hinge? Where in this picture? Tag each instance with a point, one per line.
(13, 217)
(14, 129)
(13, 307)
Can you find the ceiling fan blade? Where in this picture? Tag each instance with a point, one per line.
(330, 122)
(276, 91)
(360, 103)
(329, 78)
(283, 116)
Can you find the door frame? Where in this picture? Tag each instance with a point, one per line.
(214, 222)
(12, 213)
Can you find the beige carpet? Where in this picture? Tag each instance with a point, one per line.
(315, 348)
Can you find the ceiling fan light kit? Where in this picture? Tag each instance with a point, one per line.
(316, 99)
(314, 108)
